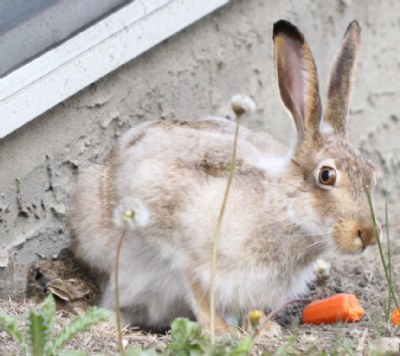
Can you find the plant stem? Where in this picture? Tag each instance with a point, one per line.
(377, 235)
(389, 264)
(117, 303)
(217, 236)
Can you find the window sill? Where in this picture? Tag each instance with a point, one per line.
(63, 71)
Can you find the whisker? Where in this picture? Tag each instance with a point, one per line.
(305, 221)
(319, 242)
(307, 235)
(336, 252)
(317, 246)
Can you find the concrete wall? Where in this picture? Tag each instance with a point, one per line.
(194, 73)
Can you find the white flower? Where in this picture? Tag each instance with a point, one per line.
(242, 103)
(131, 212)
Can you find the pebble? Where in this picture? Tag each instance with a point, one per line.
(125, 343)
(387, 345)
(272, 329)
(338, 289)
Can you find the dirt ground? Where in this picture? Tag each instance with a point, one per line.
(362, 275)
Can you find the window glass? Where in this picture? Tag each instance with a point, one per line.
(30, 27)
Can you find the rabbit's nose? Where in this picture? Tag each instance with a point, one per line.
(368, 236)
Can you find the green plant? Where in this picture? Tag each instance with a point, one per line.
(386, 258)
(117, 300)
(217, 236)
(128, 217)
(37, 337)
(240, 105)
(188, 339)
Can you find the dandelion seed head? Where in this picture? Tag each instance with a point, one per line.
(242, 103)
(131, 212)
(128, 215)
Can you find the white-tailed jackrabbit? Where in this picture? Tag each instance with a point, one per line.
(286, 207)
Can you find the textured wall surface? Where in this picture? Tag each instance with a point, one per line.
(193, 74)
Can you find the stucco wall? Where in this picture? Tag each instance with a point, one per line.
(194, 73)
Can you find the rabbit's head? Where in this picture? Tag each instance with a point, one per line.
(334, 173)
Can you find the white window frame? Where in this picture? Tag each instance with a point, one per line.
(51, 78)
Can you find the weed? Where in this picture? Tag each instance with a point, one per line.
(217, 237)
(386, 258)
(188, 339)
(117, 300)
(37, 337)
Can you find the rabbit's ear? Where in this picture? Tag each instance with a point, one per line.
(297, 78)
(341, 80)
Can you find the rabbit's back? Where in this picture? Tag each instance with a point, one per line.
(179, 170)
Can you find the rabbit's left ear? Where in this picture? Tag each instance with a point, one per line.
(297, 79)
(341, 80)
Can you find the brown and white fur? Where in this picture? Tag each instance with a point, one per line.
(279, 219)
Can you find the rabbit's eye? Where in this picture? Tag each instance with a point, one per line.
(327, 176)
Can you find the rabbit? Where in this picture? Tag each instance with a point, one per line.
(287, 206)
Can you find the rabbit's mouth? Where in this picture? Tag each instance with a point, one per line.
(352, 237)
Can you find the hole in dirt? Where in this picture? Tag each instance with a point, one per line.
(65, 273)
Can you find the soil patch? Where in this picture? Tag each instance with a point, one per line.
(362, 275)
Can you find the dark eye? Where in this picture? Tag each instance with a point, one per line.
(327, 176)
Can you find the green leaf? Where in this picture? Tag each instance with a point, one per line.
(243, 348)
(48, 313)
(79, 324)
(35, 333)
(10, 325)
(231, 346)
(187, 338)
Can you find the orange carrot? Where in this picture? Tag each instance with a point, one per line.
(339, 308)
(395, 319)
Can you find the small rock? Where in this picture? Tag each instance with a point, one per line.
(271, 329)
(338, 289)
(125, 343)
(387, 344)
